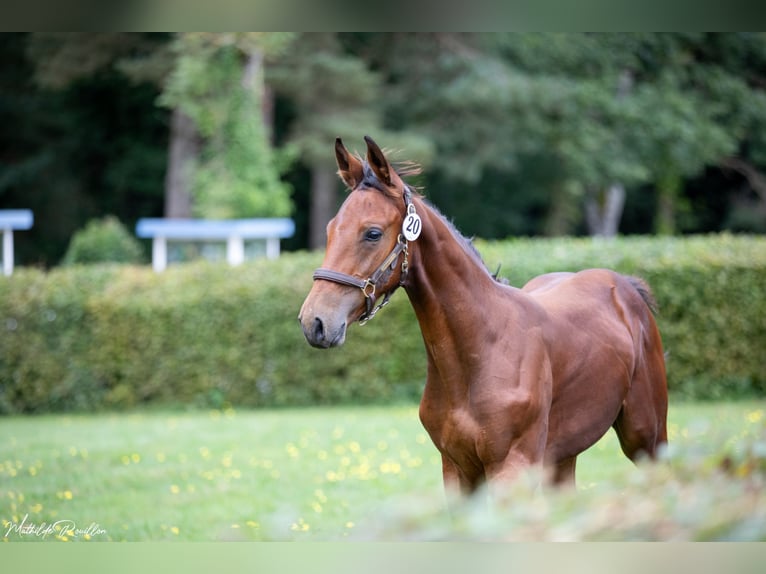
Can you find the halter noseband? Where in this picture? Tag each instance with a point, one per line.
(369, 286)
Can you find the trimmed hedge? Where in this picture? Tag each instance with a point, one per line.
(107, 336)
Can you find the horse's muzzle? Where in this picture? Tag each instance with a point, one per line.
(321, 335)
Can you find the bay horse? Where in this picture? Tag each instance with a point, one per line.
(517, 378)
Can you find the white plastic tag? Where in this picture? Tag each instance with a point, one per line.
(412, 226)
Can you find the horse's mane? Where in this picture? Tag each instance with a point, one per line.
(467, 242)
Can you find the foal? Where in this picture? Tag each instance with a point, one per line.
(517, 378)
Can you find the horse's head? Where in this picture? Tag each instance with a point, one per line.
(366, 257)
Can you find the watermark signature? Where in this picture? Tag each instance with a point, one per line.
(61, 529)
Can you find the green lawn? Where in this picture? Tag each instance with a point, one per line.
(279, 474)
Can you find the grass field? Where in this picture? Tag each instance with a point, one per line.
(310, 474)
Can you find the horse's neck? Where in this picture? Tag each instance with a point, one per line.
(448, 287)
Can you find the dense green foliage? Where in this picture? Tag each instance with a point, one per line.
(210, 335)
(97, 147)
(531, 129)
(104, 241)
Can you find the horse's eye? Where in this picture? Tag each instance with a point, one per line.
(373, 234)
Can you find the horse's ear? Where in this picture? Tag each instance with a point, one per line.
(349, 168)
(378, 161)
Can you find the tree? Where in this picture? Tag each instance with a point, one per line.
(61, 60)
(539, 133)
(218, 145)
(218, 83)
(605, 111)
(80, 139)
(677, 124)
(448, 88)
(686, 102)
(729, 72)
(503, 101)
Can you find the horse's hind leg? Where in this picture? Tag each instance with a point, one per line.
(641, 425)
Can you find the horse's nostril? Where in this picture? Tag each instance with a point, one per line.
(318, 330)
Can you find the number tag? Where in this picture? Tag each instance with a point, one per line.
(412, 225)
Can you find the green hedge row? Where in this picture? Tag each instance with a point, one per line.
(90, 337)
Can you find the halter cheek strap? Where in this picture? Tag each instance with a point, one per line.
(370, 285)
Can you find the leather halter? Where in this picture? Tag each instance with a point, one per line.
(369, 286)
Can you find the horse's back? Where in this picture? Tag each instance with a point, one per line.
(598, 292)
(592, 317)
(606, 352)
(545, 282)
(597, 308)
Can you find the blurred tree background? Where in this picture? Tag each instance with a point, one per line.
(519, 134)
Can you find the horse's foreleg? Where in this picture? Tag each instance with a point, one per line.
(521, 447)
(523, 458)
(456, 482)
(564, 472)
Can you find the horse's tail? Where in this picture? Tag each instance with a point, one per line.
(646, 293)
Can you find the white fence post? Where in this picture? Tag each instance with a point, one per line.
(235, 250)
(159, 254)
(272, 247)
(7, 252)
(10, 220)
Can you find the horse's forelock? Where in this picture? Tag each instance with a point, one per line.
(370, 180)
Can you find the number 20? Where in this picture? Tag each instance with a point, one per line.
(413, 225)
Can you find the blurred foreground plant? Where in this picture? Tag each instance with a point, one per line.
(709, 491)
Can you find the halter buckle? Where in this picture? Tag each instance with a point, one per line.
(368, 289)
